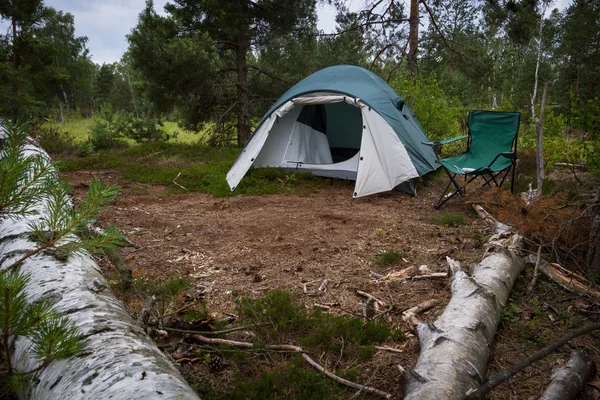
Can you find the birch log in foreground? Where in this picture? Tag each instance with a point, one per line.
(119, 361)
(456, 347)
(569, 380)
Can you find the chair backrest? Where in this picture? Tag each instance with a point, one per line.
(492, 132)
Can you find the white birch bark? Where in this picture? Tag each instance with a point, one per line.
(569, 380)
(455, 348)
(119, 361)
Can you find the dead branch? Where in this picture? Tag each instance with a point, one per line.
(371, 297)
(356, 27)
(343, 381)
(385, 348)
(569, 280)
(321, 289)
(270, 75)
(209, 333)
(175, 182)
(535, 271)
(433, 275)
(546, 351)
(146, 310)
(439, 31)
(410, 315)
(297, 349)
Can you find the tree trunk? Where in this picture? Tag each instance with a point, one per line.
(455, 348)
(539, 141)
(119, 361)
(15, 56)
(244, 127)
(413, 37)
(569, 380)
(537, 64)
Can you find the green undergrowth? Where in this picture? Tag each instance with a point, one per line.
(341, 343)
(198, 168)
(387, 257)
(280, 318)
(451, 220)
(294, 379)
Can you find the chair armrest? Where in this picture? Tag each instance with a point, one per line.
(445, 141)
(505, 154)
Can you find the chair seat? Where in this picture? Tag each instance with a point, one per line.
(468, 164)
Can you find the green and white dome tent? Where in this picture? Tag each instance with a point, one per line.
(341, 122)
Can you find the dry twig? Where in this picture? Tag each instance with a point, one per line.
(297, 349)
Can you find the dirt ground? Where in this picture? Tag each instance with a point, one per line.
(244, 246)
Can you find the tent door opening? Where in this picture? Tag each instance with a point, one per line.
(340, 124)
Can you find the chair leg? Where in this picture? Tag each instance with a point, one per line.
(445, 197)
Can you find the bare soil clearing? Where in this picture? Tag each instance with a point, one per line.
(245, 246)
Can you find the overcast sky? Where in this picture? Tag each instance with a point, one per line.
(106, 22)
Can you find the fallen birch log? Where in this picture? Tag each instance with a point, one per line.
(119, 361)
(456, 347)
(569, 380)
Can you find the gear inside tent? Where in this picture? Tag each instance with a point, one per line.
(341, 122)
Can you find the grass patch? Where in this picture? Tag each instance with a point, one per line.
(79, 130)
(282, 319)
(295, 380)
(203, 169)
(451, 220)
(387, 257)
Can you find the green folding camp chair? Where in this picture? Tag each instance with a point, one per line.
(491, 152)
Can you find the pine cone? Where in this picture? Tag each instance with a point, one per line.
(215, 364)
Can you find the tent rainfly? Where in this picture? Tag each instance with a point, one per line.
(341, 122)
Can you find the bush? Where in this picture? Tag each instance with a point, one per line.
(145, 129)
(85, 148)
(439, 114)
(54, 140)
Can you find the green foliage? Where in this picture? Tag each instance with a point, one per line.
(54, 140)
(85, 148)
(439, 114)
(451, 220)
(278, 315)
(105, 132)
(53, 336)
(387, 257)
(174, 285)
(62, 221)
(23, 179)
(295, 380)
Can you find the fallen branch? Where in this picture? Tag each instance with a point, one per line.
(210, 333)
(175, 181)
(569, 280)
(569, 380)
(297, 349)
(146, 311)
(410, 315)
(321, 289)
(393, 350)
(535, 271)
(546, 351)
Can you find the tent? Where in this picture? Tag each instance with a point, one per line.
(342, 122)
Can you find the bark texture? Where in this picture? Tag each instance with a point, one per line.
(455, 348)
(569, 380)
(119, 361)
